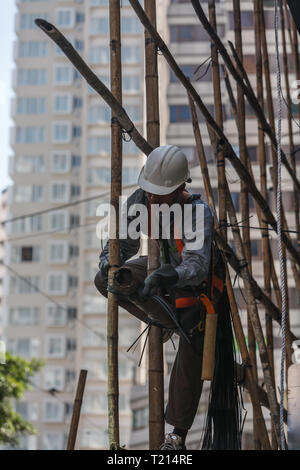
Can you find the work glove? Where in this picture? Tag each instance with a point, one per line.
(104, 267)
(163, 277)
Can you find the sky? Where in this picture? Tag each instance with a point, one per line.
(7, 36)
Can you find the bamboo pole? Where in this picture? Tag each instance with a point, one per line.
(251, 385)
(219, 154)
(76, 410)
(241, 124)
(129, 127)
(156, 377)
(114, 243)
(259, 27)
(144, 146)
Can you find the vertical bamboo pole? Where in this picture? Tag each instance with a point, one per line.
(219, 120)
(156, 377)
(260, 422)
(114, 247)
(244, 198)
(76, 410)
(262, 163)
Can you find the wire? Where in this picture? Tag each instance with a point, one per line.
(48, 297)
(281, 260)
(63, 206)
(49, 233)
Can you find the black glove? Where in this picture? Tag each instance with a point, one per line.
(104, 267)
(164, 276)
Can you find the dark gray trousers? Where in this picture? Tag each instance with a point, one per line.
(185, 385)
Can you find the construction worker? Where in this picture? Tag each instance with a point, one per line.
(182, 276)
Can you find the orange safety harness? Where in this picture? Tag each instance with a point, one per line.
(214, 282)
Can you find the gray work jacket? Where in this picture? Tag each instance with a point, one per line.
(193, 265)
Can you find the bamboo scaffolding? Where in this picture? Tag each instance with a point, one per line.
(223, 141)
(251, 385)
(114, 247)
(128, 126)
(248, 93)
(146, 148)
(156, 377)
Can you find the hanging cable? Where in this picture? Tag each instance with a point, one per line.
(281, 259)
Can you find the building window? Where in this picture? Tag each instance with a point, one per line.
(58, 221)
(130, 175)
(60, 191)
(99, 55)
(99, 114)
(24, 347)
(28, 193)
(77, 102)
(130, 25)
(99, 26)
(57, 283)
(32, 77)
(29, 411)
(77, 132)
(24, 316)
(189, 71)
(60, 162)
(31, 105)
(58, 252)
(130, 148)
(56, 346)
(187, 33)
(131, 54)
(94, 438)
(98, 176)
(27, 20)
(140, 418)
(180, 113)
(65, 18)
(30, 135)
(53, 411)
(53, 440)
(76, 161)
(98, 146)
(62, 104)
(63, 75)
(33, 49)
(54, 378)
(23, 254)
(29, 164)
(26, 285)
(29, 224)
(131, 83)
(55, 315)
(61, 132)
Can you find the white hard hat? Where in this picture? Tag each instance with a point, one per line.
(165, 170)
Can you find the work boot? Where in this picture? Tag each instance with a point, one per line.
(172, 442)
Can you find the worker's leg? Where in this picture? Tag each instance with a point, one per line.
(145, 309)
(185, 383)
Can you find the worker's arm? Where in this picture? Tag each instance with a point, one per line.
(128, 247)
(195, 264)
